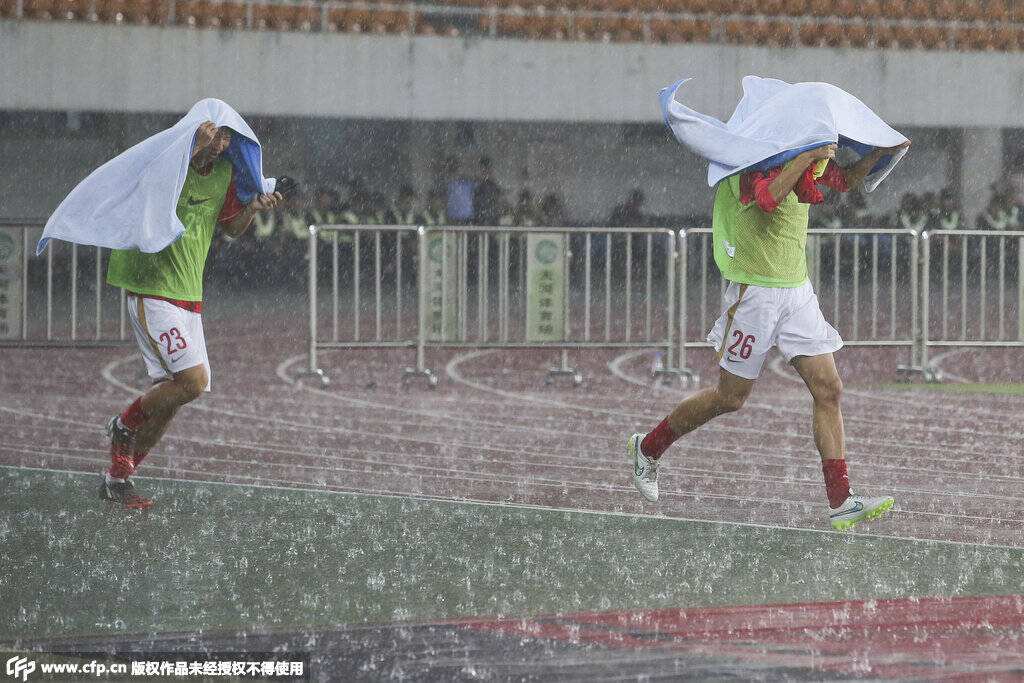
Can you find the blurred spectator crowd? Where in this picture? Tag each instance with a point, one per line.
(278, 240)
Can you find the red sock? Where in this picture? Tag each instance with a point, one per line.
(121, 467)
(837, 481)
(137, 458)
(133, 416)
(658, 440)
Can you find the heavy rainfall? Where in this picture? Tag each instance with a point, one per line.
(487, 340)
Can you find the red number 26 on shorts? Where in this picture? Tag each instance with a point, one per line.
(745, 344)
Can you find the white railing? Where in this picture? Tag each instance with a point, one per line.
(42, 302)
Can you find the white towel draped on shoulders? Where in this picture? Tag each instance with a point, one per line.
(130, 202)
(774, 121)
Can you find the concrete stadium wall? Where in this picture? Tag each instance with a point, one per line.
(132, 68)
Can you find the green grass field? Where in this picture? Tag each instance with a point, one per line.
(223, 557)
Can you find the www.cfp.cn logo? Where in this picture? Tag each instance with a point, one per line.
(20, 667)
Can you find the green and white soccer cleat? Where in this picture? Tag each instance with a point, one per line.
(857, 509)
(645, 470)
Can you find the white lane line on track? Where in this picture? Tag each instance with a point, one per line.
(476, 445)
(285, 485)
(283, 373)
(986, 414)
(451, 369)
(285, 365)
(615, 367)
(936, 362)
(800, 462)
(108, 375)
(479, 475)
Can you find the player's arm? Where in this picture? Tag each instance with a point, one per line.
(855, 174)
(238, 224)
(784, 183)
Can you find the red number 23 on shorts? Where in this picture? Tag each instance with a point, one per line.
(174, 335)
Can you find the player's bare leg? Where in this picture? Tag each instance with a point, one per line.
(707, 404)
(146, 418)
(822, 379)
(644, 450)
(184, 387)
(150, 433)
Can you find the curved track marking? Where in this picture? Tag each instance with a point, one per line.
(452, 371)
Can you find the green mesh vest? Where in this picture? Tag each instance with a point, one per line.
(176, 272)
(757, 248)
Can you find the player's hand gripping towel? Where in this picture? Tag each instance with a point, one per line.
(129, 202)
(775, 121)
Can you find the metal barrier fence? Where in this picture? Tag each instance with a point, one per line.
(503, 287)
(978, 277)
(58, 299)
(619, 288)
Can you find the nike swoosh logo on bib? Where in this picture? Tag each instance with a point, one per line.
(196, 202)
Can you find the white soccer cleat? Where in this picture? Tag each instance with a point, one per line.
(858, 508)
(645, 470)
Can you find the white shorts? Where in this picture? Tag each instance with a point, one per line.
(171, 338)
(755, 319)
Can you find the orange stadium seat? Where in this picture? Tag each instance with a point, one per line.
(920, 9)
(847, 9)
(511, 22)
(932, 37)
(747, 7)
(808, 34)
(70, 9)
(39, 9)
(350, 19)
(905, 36)
(995, 11)
(590, 27)
(691, 6)
(191, 13)
(739, 31)
(857, 35)
(834, 33)
(969, 10)
(232, 14)
(681, 30)
(821, 8)
(794, 8)
(946, 10)
(882, 35)
(894, 9)
(111, 11)
(779, 34)
(274, 16)
(548, 26)
(971, 38)
(1005, 37)
(868, 9)
(390, 21)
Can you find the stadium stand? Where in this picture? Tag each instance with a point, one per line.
(976, 25)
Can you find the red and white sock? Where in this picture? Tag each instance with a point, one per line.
(658, 440)
(837, 481)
